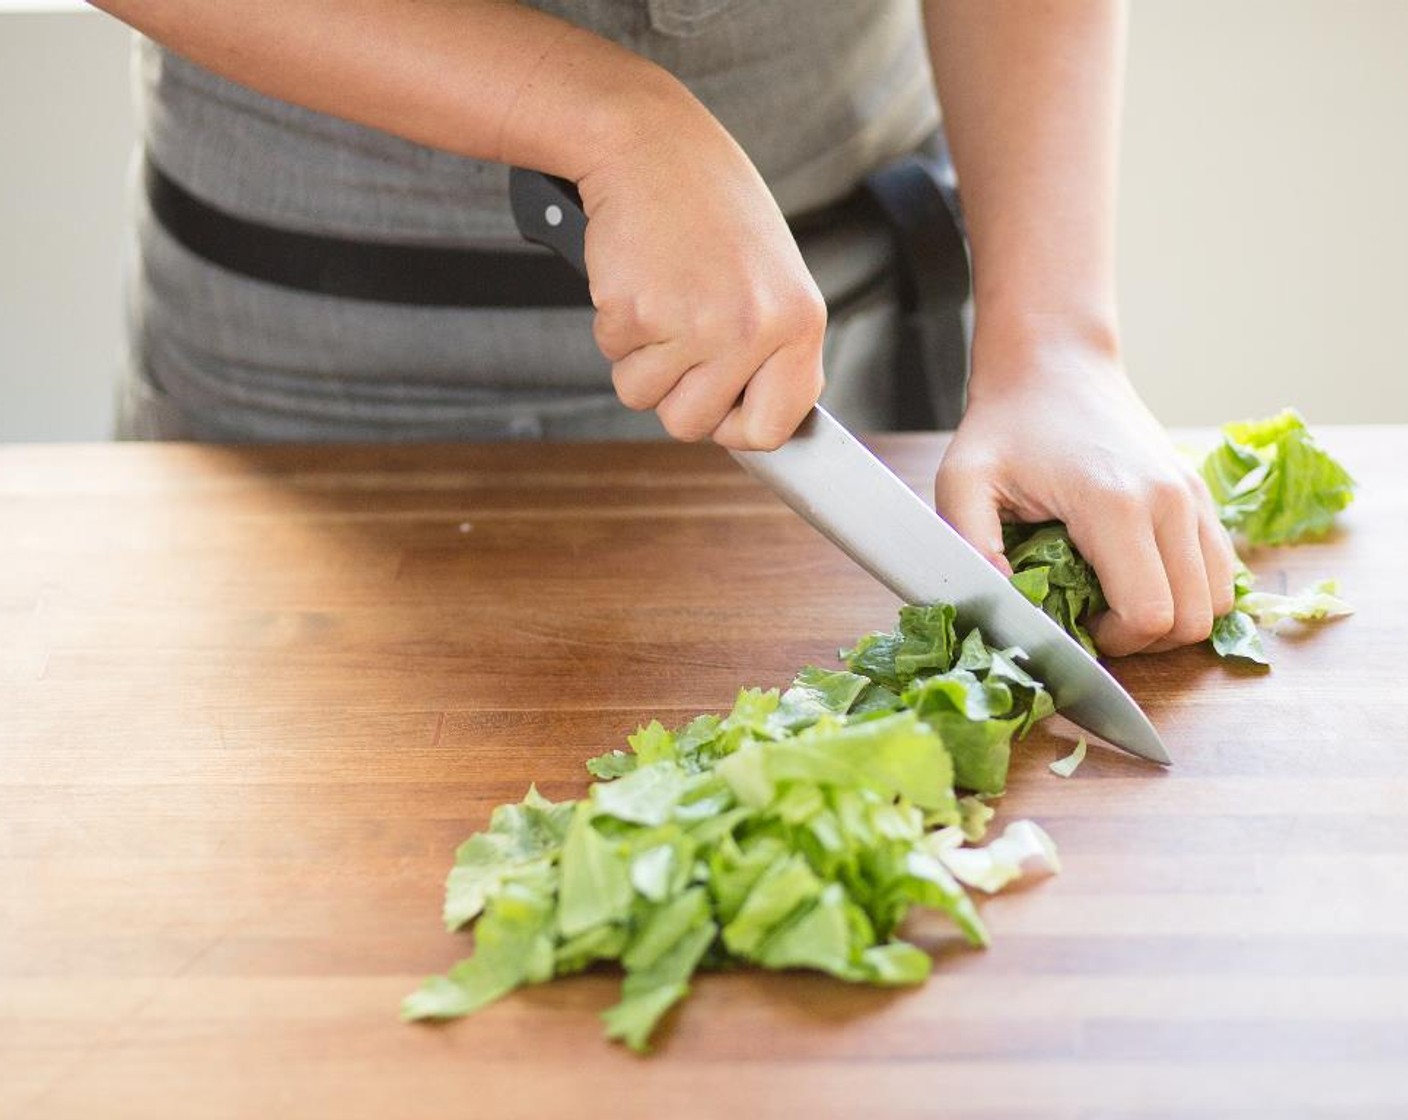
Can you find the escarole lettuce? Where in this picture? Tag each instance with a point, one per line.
(796, 831)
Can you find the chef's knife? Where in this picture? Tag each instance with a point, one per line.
(826, 475)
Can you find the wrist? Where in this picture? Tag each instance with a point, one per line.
(588, 101)
(1040, 347)
(1031, 295)
(656, 133)
(653, 108)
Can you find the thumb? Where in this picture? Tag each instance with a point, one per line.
(970, 505)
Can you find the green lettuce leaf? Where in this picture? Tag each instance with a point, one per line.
(647, 795)
(924, 639)
(512, 946)
(612, 764)
(816, 693)
(1273, 483)
(649, 993)
(596, 878)
(1235, 635)
(896, 756)
(520, 845)
(635, 1018)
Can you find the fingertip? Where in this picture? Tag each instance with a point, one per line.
(729, 434)
(775, 401)
(767, 433)
(1111, 639)
(1119, 634)
(973, 514)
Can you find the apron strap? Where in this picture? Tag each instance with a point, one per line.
(918, 198)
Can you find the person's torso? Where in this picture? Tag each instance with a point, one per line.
(818, 92)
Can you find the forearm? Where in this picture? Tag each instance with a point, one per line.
(484, 78)
(1031, 99)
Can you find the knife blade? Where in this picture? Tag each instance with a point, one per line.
(837, 485)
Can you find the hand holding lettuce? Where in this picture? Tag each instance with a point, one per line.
(1273, 484)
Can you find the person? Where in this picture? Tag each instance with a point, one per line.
(693, 129)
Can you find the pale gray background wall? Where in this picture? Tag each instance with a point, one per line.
(1263, 244)
(66, 130)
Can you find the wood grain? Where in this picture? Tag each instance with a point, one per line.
(251, 698)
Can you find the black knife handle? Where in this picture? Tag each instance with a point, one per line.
(549, 212)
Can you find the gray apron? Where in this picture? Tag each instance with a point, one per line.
(818, 92)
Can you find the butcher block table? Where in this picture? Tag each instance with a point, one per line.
(251, 699)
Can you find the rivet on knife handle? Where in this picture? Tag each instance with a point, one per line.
(549, 212)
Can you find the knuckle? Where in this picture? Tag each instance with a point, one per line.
(807, 382)
(631, 391)
(1194, 484)
(652, 316)
(616, 327)
(606, 334)
(1192, 626)
(752, 320)
(766, 434)
(806, 311)
(640, 314)
(736, 321)
(1167, 493)
(683, 424)
(1150, 620)
(1122, 501)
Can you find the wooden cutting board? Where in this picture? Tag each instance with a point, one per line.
(250, 700)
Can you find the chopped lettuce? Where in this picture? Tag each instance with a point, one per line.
(1235, 635)
(975, 697)
(798, 830)
(1315, 603)
(1049, 571)
(973, 816)
(1273, 483)
(1023, 849)
(1066, 766)
(793, 832)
